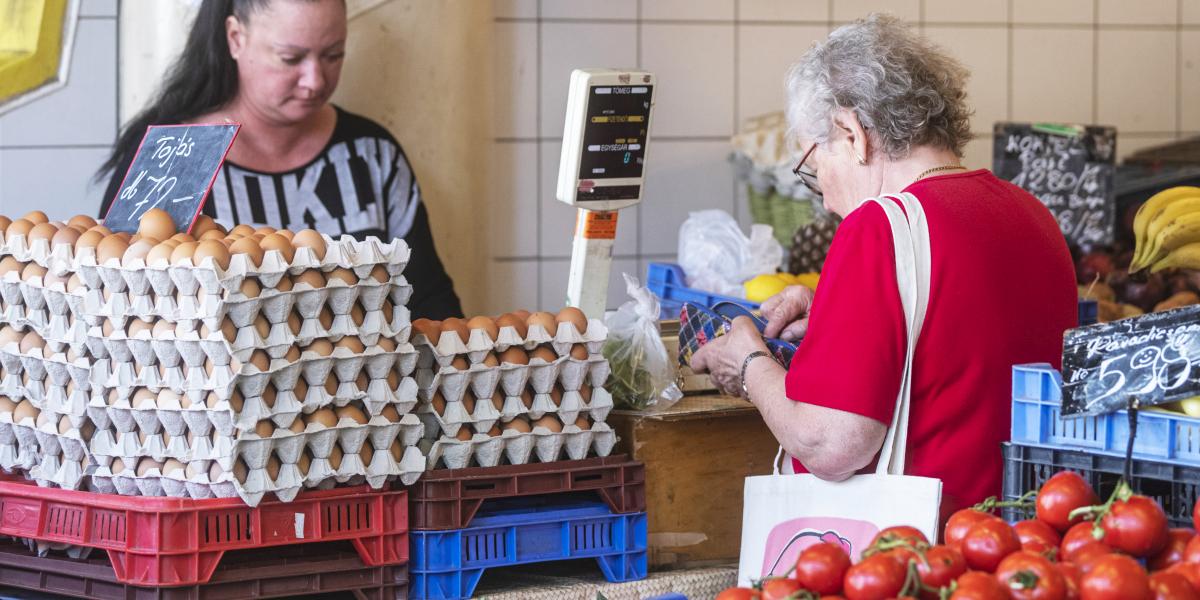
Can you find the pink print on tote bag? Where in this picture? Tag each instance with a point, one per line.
(789, 538)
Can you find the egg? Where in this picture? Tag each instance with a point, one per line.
(112, 247)
(43, 231)
(457, 326)
(31, 341)
(498, 399)
(64, 425)
(211, 249)
(393, 380)
(325, 417)
(236, 401)
(556, 395)
(160, 254)
(322, 347)
(242, 229)
(18, 227)
(50, 279)
(10, 264)
(89, 239)
(168, 397)
(43, 418)
(228, 330)
(240, 471)
(147, 464)
(171, 466)
(386, 344)
(6, 404)
(107, 328)
(397, 451)
(144, 398)
(33, 271)
(490, 360)
(112, 396)
(325, 318)
(365, 454)
(543, 352)
(511, 320)
(527, 398)
(156, 223)
(357, 315)
(116, 466)
(464, 434)
(300, 390)
(585, 392)
(266, 230)
(304, 463)
(344, 275)
(36, 217)
(140, 250)
(287, 233)
(307, 238)
(352, 343)
(250, 248)
(285, 284)
(137, 326)
(380, 274)
(519, 424)
(460, 363)
(550, 422)
(261, 360)
(250, 288)
(268, 396)
(544, 320)
(262, 325)
(215, 472)
(362, 381)
(583, 423)
(390, 413)
(295, 323)
(265, 428)
(468, 403)
(573, 316)
(213, 234)
(312, 277)
(438, 402)
(486, 324)
(293, 354)
(183, 238)
(429, 329)
(65, 236)
(297, 425)
(335, 457)
(579, 352)
(331, 386)
(184, 251)
(82, 221)
(204, 223)
(4, 223)
(9, 335)
(279, 244)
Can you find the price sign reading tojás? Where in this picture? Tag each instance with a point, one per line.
(174, 168)
(1154, 358)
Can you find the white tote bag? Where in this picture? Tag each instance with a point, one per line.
(785, 513)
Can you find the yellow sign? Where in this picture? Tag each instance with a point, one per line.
(619, 119)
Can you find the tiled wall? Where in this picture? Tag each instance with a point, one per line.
(1126, 63)
(51, 147)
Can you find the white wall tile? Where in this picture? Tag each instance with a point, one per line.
(783, 10)
(98, 8)
(764, 54)
(558, 219)
(513, 200)
(515, 61)
(1189, 12)
(1189, 52)
(683, 177)
(567, 46)
(1136, 80)
(1141, 12)
(978, 153)
(690, 10)
(55, 180)
(82, 112)
(957, 11)
(555, 274)
(515, 9)
(849, 10)
(512, 285)
(589, 9)
(1057, 11)
(984, 52)
(694, 67)
(1052, 75)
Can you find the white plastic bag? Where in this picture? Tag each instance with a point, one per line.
(640, 374)
(717, 257)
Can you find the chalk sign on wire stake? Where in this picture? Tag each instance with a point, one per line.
(1153, 358)
(174, 169)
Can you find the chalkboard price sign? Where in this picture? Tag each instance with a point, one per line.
(1154, 358)
(174, 168)
(1069, 168)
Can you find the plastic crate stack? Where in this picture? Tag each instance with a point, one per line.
(465, 521)
(1166, 450)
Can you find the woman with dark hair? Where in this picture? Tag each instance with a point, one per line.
(298, 161)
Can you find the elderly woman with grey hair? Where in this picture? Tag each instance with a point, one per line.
(877, 110)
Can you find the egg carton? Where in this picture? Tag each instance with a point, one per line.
(140, 278)
(37, 297)
(42, 452)
(61, 332)
(569, 373)
(41, 365)
(449, 345)
(485, 414)
(60, 472)
(513, 447)
(50, 399)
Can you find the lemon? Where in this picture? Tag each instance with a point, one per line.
(763, 286)
(808, 280)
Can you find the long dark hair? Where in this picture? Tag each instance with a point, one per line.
(201, 80)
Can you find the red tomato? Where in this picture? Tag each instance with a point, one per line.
(1116, 577)
(737, 593)
(876, 577)
(1172, 586)
(909, 534)
(1037, 547)
(942, 565)
(1061, 494)
(821, 568)
(958, 524)
(1030, 576)
(779, 588)
(974, 585)
(1190, 571)
(1191, 552)
(1086, 556)
(1177, 543)
(1071, 576)
(1034, 530)
(987, 543)
(1078, 536)
(1137, 526)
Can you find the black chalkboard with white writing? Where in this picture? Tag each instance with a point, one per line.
(174, 169)
(1069, 168)
(1154, 358)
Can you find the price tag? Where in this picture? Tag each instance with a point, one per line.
(174, 169)
(1154, 358)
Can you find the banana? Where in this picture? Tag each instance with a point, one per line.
(1182, 231)
(1166, 216)
(1149, 210)
(1183, 257)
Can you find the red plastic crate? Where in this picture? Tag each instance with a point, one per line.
(449, 498)
(174, 541)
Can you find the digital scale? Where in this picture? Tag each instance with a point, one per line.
(602, 170)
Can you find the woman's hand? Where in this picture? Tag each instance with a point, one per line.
(722, 357)
(787, 313)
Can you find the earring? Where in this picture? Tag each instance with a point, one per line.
(861, 160)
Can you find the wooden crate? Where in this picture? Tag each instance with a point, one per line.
(697, 454)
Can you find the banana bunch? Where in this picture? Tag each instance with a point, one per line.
(1166, 230)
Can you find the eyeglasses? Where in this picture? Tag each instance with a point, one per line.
(808, 178)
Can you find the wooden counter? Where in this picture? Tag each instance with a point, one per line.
(697, 454)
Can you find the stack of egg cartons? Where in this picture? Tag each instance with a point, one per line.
(518, 388)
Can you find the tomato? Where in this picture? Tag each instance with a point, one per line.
(987, 543)
(909, 534)
(737, 593)
(1061, 494)
(821, 568)
(1030, 576)
(1034, 530)
(1172, 586)
(1078, 536)
(1071, 576)
(1191, 552)
(1086, 556)
(1190, 571)
(779, 588)
(1037, 547)
(958, 524)
(1118, 577)
(1137, 526)
(876, 577)
(942, 565)
(1177, 543)
(974, 585)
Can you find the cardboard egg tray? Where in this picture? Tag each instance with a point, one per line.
(513, 447)
(568, 373)
(48, 456)
(42, 376)
(449, 346)
(485, 414)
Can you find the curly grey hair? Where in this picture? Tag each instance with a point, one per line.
(905, 90)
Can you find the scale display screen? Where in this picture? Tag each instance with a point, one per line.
(614, 136)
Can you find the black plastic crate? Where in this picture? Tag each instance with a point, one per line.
(1026, 468)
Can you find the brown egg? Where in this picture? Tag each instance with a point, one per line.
(438, 403)
(184, 251)
(365, 454)
(160, 254)
(357, 315)
(498, 399)
(527, 398)
(550, 422)
(83, 221)
(50, 279)
(44, 418)
(574, 316)
(111, 397)
(393, 379)
(112, 247)
(240, 471)
(74, 282)
(429, 329)
(171, 467)
(66, 236)
(486, 324)
(322, 347)
(344, 275)
(295, 323)
(215, 472)
(458, 326)
(254, 253)
(137, 326)
(464, 434)
(460, 363)
(266, 230)
(156, 223)
(144, 398)
(9, 264)
(324, 416)
(520, 424)
(331, 386)
(556, 395)
(262, 325)
(307, 238)
(211, 249)
(380, 274)
(6, 404)
(293, 354)
(18, 227)
(140, 250)
(242, 229)
(169, 397)
(32, 271)
(204, 223)
(362, 382)
(250, 288)
(335, 457)
(386, 344)
(279, 244)
(89, 239)
(25, 410)
(213, 234)
(511, 320)
(183, 238)
(285, 284)
(36, 217)
(585, 392)
(325, 318)
(265, 428)
(228, 330)
(236, 401)
(147, 464)
(30, 341)
(9, 335)
(117, 466)
(64, 425)
(4, 223)
(43, 231)
(314, 278)
(490, 360)
(297, 425)
(107, 328)
(304, 463)
(544, 352)
(300, 390)
(468, 403)
(261, 360)
(583, 423)
(397, 450)
(579, 352)
(268, 396)
(390, 413)
(495, 431)
(545, 320)
(351, 342)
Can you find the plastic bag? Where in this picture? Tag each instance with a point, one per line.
(640, 376)
(717, 257)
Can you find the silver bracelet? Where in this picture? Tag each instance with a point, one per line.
(746, 365)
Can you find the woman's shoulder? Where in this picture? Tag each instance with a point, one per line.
(352, 125)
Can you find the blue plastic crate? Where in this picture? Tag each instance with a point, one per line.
(668, 282)
(448, 564)
(1037, 420)
(1089, 312)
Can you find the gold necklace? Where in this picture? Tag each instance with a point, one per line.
(927, 172)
